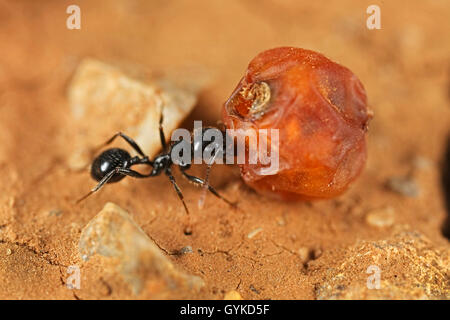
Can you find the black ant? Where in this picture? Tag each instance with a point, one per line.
(112, 165)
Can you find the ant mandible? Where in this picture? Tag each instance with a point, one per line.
(112, 165)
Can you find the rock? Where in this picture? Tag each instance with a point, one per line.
(253, 233)
(185, 250)
(304, 254)
(101, 93)
(381, 218)
(405, 186)
(112, 233)
(420, 162)
(405, 266)
(232, 295)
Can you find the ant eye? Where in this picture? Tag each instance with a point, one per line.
(107, 161)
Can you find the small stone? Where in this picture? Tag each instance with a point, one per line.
(112, 233)
(405, 186)
(304, 254)
(8, 252)
(252, 287)
(281, 222)
(232, 295)
(254, 233)
(11, 201)
(55, 212)
(420, 162)
(185, 250)
(122, 101)
(381, 218)
(317, 253)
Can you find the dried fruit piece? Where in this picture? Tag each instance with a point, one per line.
(320, 110)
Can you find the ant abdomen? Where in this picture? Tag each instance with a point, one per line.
(107, 161)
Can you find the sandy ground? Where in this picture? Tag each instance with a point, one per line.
(300, 246)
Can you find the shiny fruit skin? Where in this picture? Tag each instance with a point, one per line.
(320, 109)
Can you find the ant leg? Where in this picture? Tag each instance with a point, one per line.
(102, 182)
(199, 181)
(133, 173)
(107, 177)
(201, 200)
(177, 189)
(205, 186)
(161, 130)
(187, 230)
(130, 141)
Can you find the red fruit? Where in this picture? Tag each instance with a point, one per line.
(320, 110)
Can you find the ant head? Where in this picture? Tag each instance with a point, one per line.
(107, 161)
